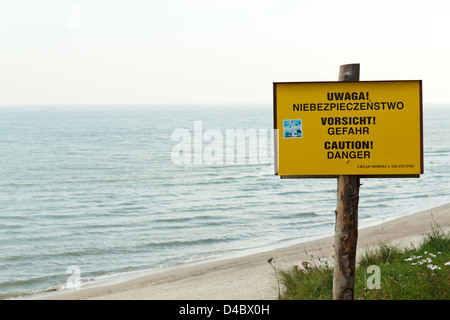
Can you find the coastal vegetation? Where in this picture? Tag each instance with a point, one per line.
(386, 272)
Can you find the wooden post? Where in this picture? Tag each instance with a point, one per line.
(346, 228)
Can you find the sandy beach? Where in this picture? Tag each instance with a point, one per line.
(251, 277)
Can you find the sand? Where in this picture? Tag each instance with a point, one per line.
(251, 277)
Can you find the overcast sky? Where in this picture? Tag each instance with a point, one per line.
(213, 51)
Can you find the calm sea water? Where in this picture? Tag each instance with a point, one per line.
(93, 192)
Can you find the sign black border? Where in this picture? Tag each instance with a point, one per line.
(335, 176)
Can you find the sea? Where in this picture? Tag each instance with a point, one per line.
(92, 193)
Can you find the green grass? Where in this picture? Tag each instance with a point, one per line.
(421, 273)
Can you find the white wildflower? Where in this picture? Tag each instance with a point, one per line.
(447, 264)
(433, 267)
(409, 259)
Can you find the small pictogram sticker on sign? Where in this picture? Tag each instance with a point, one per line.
(292, 128)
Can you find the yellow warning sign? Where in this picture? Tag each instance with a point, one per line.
(365, 128)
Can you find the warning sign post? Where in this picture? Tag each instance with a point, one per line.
(348, 129)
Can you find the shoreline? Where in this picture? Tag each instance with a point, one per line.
(249, 276)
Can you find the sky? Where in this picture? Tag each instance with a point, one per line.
(213, 51)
